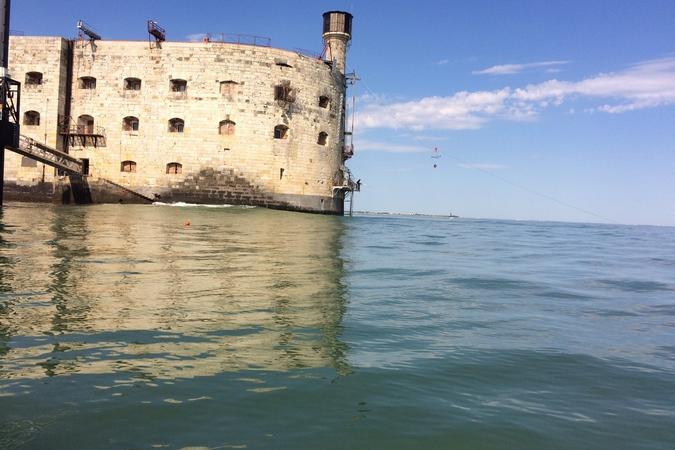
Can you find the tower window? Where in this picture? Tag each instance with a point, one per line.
(280, 132)
(226, 127)
(174, 168)
(176, 125)
(178, 85)
(132, 84)
(128, 166)
(228, 87)
(324, 101)
(323, 137)
(130, 123)
(31, 118)
(87, 83)
(33, 78)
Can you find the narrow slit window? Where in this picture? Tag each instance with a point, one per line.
(174, 168)
(176, 125)
(324, 102)
(128, 166)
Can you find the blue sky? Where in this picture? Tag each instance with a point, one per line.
(542, 110)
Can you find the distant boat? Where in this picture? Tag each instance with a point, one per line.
(452, 216)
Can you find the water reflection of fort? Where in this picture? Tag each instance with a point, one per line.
(108, 289)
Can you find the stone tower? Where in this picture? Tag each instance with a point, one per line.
(337, 32)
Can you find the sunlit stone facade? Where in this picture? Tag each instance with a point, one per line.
(206, 122)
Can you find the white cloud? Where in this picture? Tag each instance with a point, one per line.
(442, 62)
(366, 145)
(644, 85)
(510, 69)
(483, 166)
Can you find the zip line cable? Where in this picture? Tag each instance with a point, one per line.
(532, 191)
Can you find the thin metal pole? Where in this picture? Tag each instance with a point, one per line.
(4, 49)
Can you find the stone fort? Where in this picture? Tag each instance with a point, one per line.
(211, 122)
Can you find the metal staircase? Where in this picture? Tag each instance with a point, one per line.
(42, 153)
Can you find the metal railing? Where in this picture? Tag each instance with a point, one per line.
(239, 39)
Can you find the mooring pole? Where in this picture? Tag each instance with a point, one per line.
(4, 59)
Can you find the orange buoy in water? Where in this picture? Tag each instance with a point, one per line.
(186, 223)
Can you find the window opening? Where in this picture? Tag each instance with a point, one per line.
(31, 118)
(85, 166)
(323, 137)
(228, 87)
(174, 168)
(176, 125)
(132, 84)
(130, 123)
(280, 132)
(226, 127)
(33, 78)
(178, 85)
(128, 166)
(85, 124)
(87, 83)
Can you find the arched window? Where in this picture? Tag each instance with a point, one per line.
(128, 166)
(176, 125)
(226, 127)
(130, 123)
(85, 124)
(178, 85)
(87, 83)
(324, 101)
(323, 137)
(33, 78)
(132, 84)
(174, 168)
(31, 118)
(228, 87)
(280, 132)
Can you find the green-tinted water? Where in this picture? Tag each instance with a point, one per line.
(122, 328)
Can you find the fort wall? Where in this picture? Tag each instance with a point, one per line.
(206, 122)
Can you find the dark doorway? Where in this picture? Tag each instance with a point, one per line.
(85, 166)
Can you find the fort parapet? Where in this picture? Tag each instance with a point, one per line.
(202, 122)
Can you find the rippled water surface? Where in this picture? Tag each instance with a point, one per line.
(122, 328)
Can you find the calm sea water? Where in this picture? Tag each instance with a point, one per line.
(122, 328)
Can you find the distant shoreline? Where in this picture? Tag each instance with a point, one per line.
(384, 213)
